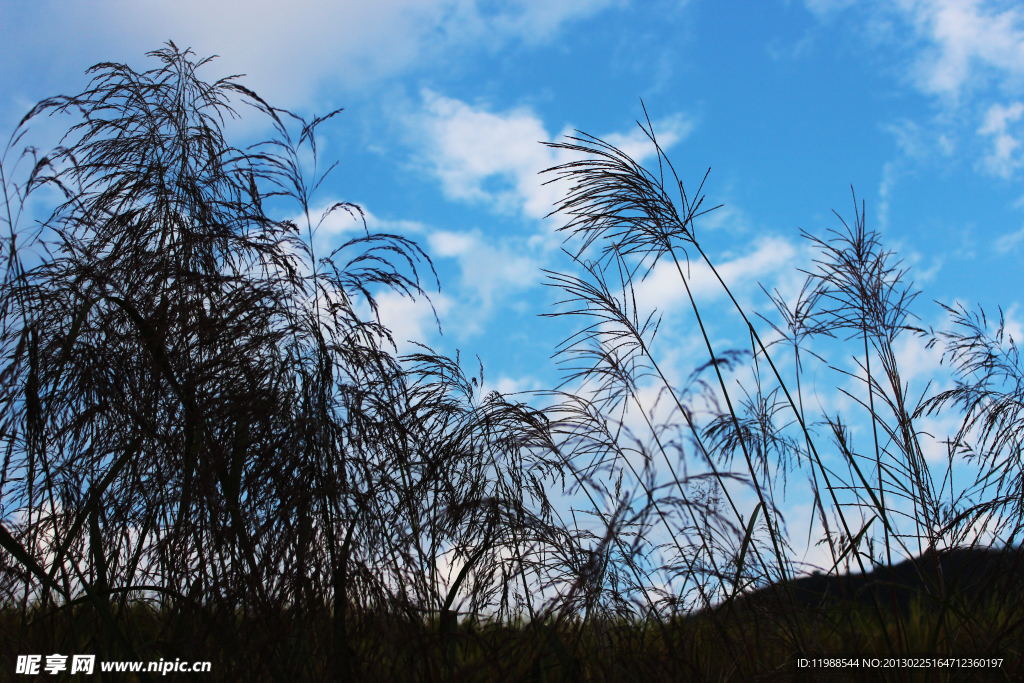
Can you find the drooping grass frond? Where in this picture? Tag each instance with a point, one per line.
(614, 200)
(989, 391)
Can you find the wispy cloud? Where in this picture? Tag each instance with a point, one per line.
(885, 193)
(966, 54)
(1001, 160)
(1008, 242)
(968, 41)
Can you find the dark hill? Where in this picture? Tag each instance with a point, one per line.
(970, 574)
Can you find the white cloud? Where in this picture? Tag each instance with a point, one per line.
(489, 271)
(885, 193)
(828, 7)
(664, 290)
(452, 244)
(969, 39)
(946, 145)
(934, 434)
(411, 320)
(668, 131)
(495, 158)
(289, 49)
(728, 217)
(1013, 325)
(507, 386)
(969, 54)
(917, 362)
(467, 146)
(964, 41)
(1009, 241)
(331, 229)
(407, 319)
(1000, 161)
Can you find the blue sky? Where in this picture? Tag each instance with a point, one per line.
(918, 104)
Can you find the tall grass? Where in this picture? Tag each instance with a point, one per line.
(212, 450)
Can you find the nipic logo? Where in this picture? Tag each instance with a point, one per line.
(55, 664)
